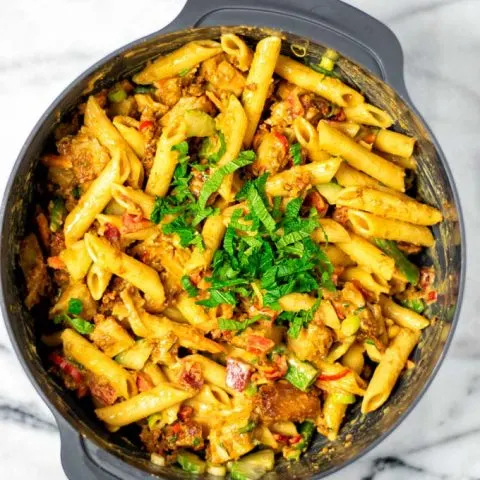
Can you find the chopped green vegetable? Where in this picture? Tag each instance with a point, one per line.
(77, 192)
(190, 462)
(198, 123)
(237, 326)
(154, 420)
(350, 325)
(144, 89)
(251, 389)
(330, 191)
(75, 306)
(296, 153)
(215, 180)
(327, 62)
(307, 430)
(415, 304)
(186, 233)
(213, 148)
(183, 72)
(57, 212)
(189, 287)
(136, 357)
(319, 69)
(343, 398)
(253, 466)
(410, 270)
(258, 208)
(196, 442)
(218, 297)
(79, 324)
(248, 427)
(117, 95)
(298, 320)
(300, 374)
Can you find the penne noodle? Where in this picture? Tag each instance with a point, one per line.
(330, 88)
(388, 370)
(213, 372)
(128, 128)
(97, 121)
(308, 138)
(368, 115)
(143, 405)
(97, 280)
(337, 143)
(368, 256)
(348, 128)
(94, 200)
(186, 57)
(389, 204)
(258, 82)
(294, 302)
(90, 357)
(330, 232)
(132, 270)
(370, 281)
(369, 225)
(237, 50)
(348, 176)
(403, 316)
(337, 256)
(76, 260)
(291, 181)
(394, 143)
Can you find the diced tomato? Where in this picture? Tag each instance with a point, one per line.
(279, 437)
(145, 124)
(133, 223)
(335, 376)
(427, 276)
(238, 374)
(67, 367)
(276, 370)
(339, 310)
(295, 439)
(283, 140)
(112, 234)
(176, 427)
(185, 412)
(339, 116)
(432, 296)
(369, 137)
(192, 375)
(56, 263)
(144, 382)
(315, 200)
(258, 345)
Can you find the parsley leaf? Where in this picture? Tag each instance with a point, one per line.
(218, 297)
(296, 153)
(79, 324)
(298, 320)
(189, 287)
(236, 325)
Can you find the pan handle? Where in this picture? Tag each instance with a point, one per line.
(355, 29)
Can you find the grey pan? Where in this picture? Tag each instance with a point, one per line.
(372, 61)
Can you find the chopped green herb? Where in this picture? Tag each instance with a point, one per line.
(319, 69)
(79, 324)
(117, 95)
(218, 297)
(251, 389)
(215, 180)
(415, 304)
(410, 270)
(213, 148)
(144, 89)
(248, 427)
(196, 442)
(296, 153)
(75, 306)
(183, 72)
(189, 287)
(298, 320)
(236, 325)
(57, 212)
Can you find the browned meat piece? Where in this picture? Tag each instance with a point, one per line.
(312, 343)
(87, 155)
(101, 389)
(169, 91)
(409, 248)
(282, 402)
(178, 435)
(34, 269)
(222, 75)
(271, 154)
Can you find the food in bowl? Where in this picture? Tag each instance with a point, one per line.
(227, 250)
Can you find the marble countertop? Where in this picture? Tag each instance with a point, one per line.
(47, 43)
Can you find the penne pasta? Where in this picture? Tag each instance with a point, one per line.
(100, 125)
(180, 60)
(237, 50)
(137, 273)
(308, 138)
(128, 128)
(348, 176)
(337, 143)
(388, 370)
(327, 87)
(369, 225)
(258, 82)
(389, 204)
(82, 351)
(368, 256)
(142, 405)
(330, 231)
(290, 182)
(76, 260)
(369, 281)
(394, 143)
(94, 200)
(97, 280)
(368, 115)
(403, 316)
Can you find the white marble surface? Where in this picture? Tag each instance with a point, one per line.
(47, 43)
